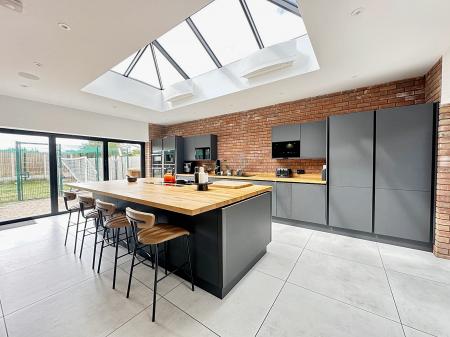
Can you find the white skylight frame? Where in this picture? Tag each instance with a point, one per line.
(287, 5)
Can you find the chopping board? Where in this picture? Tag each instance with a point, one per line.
(231, 184)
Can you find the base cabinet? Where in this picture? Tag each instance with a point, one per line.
(309, 203)
(284, 200)
(403, 214)
(350, 208)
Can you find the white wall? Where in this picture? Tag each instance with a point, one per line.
(445, 94)
(29, 115)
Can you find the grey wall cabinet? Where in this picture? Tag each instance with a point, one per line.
(351, 150)
(351, 171)
(403, 170)
(284, 200)
(313, 140)
(156, 145)
(192, 142)
(286, 133)
(169, 143)
(308, 203)
(403, 214)
(350, 208)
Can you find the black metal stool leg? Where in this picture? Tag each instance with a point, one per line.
(115, 258)
(131, 270)
(95, 243)
(128, 240)
(188, 238)
(165, 257)
(155, 282)
(84, 234)
(101, 250)
(67, 229)
(76, 233)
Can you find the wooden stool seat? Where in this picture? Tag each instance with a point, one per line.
(92, 215)
(119, 221)
(160, 233)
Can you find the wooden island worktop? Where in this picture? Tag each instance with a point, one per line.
(184, 199)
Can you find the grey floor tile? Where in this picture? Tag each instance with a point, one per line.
(88, 309)
(422, 304)
(279, 259)
(2, 328)
(25, 286)
(353, 249)
(415, 262)
(170, 322)
(354, 283)
(146, 275)
(299, 312)
(410, 332)
(240, 313)
(290, 235)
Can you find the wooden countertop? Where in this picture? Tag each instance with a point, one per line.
(184, 199)
(307, 178)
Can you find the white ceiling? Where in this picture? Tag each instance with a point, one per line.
(390, 40)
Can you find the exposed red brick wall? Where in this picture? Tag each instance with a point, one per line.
(248, 134)
(433, 81)
(148, 159)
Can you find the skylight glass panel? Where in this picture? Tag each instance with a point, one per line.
(224, 26)
(274, 23)
(169, 75)
(184, 47)
(123, 66)
(145, 70)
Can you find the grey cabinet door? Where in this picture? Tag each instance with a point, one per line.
(284, 200)
(169, 143)
(308, 203)
(189, 148)
(403, 214)
(274, 192)
(350, 208)
(313, 140)
(286, 133)
(404, 148)
(156, 145)
(351, 150)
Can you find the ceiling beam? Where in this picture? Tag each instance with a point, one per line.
(287, 5)
(203, 42)
(170, 59)
(251, 23)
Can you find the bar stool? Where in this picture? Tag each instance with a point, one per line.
(69, 196)
(88, 212)
(151, 234)
(109, 219)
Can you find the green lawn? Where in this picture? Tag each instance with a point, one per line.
(32, 189)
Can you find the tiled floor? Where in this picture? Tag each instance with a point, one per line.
(308, 284)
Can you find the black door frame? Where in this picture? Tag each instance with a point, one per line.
(53, 165)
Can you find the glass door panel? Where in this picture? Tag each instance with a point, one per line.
(24, 176)
(121, 158)
(80, 161)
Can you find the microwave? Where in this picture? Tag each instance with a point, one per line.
(156, 159)
(286, 149)
(202, 153)
(169, 157)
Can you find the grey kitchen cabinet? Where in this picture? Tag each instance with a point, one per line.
(403, 214)
(350, 208)
(274, 192)
(284, 200)
(309, 203)
(313, 138)
(200, 141)
(286, 133)
(404, 142)
(156, 145)
(351, 150)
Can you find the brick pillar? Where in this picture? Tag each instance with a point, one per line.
(148, 159)
(442, 232)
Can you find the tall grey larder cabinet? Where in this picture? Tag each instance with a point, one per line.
(350, 177)
(403, 172)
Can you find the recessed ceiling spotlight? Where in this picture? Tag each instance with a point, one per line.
(64, 26)
(28, 76)
(357, 11)
(14, 5)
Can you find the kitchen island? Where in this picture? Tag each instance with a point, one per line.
(231, 227)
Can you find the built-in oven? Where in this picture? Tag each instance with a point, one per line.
(157, 159)
(202, 153)
(286, 149)
(157, 172)
(169, 157)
